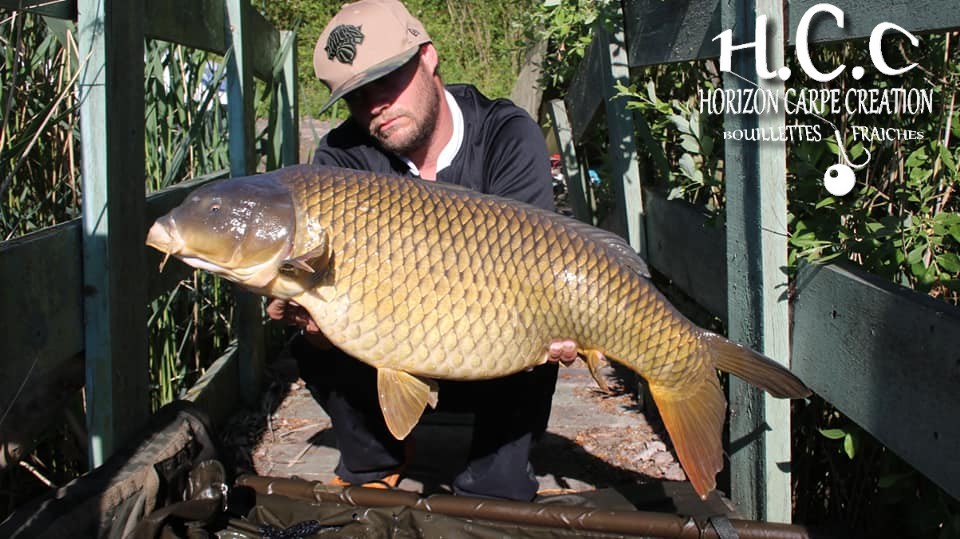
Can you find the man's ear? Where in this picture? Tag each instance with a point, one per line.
(429, 58)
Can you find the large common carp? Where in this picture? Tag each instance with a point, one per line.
(425, 280)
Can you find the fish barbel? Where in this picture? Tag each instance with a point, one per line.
(426, 281)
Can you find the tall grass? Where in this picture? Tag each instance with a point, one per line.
(185, 136)
(39, 183)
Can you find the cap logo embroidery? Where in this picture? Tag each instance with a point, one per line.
(342, 43)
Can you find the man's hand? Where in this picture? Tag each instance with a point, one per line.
(295, 315)
(562, 351)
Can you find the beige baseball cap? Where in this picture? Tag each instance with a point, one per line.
(364, 41)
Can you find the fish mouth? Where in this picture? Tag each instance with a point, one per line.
(163, 237)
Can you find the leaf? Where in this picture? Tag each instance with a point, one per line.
(917, 158)
(829, 201)
(949, 262)
(681, 123)
(833, 434)
(706, 145)
(652, 92)
(695, 122)
(850, 444)
(916, 255)
(687, 166)
(948, 160)
(689, 143)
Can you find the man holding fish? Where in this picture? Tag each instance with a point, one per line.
(381, 60)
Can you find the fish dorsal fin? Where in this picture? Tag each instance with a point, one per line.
(403, 397)
(313, 263)
(618, 247)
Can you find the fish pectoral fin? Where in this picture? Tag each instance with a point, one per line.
(403, 397)
(693, 415)
(313, 262)
(595, 361)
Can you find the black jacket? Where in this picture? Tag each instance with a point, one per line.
(503, 151)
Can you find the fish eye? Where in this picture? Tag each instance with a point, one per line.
(215, 207)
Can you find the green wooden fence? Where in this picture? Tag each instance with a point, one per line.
(77, 316)
(883, 355)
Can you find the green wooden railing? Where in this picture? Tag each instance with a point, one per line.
(77, 316)
(883, 355)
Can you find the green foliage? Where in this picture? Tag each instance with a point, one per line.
(477, 42)
(684, 145)
(567, 26)
(901, 222)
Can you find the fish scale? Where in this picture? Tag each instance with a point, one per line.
(431, 281)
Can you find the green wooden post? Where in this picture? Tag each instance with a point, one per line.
(289, 104)
(756, 288)
(620, 126)
(576, 189)
(110, 41)
(240, 93)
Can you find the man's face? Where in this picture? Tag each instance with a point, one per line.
(399, 110)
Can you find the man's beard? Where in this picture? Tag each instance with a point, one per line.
(422, 127)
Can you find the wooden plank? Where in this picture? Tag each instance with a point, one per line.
(624, 165)
(111, 127)
(689, 250)
(289, 110)
(887, 358)
(240, 116)
(220, 379)
(194, 23)
(264, 43)
(60, 9)
(582, 97)
(200, 24)
(862, 16)
(744, 284)
(772, 161)
(44, 321)
(43, 364)
(527, 93)
(576, 187)
(757, 304)
(661, 32)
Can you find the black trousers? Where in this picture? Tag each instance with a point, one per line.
(510, 413)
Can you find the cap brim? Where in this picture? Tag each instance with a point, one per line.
(371, 74)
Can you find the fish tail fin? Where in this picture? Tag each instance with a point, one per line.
(693, 407)
(693, 415)
(755, 368)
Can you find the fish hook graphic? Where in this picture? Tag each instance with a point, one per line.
(839, 179)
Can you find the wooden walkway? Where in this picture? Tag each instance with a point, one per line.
(593, 441)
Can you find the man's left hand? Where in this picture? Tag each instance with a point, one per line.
(562, 351)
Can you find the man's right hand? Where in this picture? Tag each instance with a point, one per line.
(292, 313)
